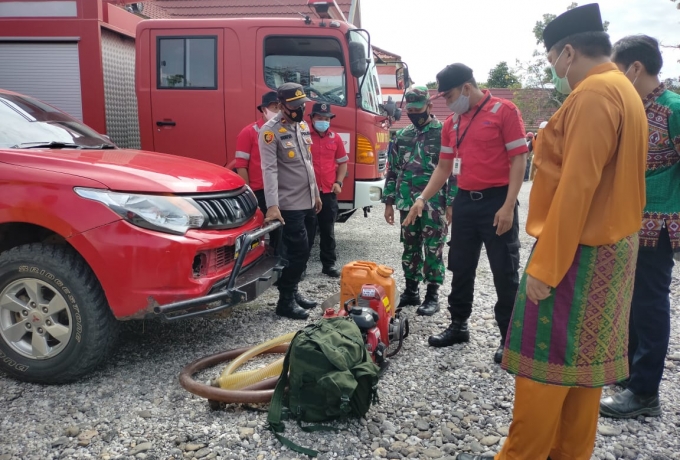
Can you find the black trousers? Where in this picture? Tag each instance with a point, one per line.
(326, 219)
(275, 236)
(472, 227)
(650, 317)
(299, 229)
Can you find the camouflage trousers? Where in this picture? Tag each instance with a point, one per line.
(423, 243)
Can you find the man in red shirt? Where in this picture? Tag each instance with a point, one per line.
(248, 164)
(483, 143)
(330, 166)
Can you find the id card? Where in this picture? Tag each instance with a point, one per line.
(456, 166)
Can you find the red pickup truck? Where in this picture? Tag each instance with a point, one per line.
(91, 234)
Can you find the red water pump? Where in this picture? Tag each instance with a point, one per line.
(382, 327)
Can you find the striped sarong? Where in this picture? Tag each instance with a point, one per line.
(579, 335)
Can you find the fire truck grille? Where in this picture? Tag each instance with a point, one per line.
(227, 210)
(382, 160)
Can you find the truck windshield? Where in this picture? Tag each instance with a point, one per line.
(313, 62)
(28, 123)
(370, 91)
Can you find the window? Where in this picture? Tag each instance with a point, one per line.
(187, 63)
(315, 63)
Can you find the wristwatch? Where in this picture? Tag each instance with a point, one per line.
(420, 197)
(338, 182)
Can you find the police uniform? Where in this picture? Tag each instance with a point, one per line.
(289, 183)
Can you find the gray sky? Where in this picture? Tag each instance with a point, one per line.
(429, 34)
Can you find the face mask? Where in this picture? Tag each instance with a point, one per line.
(561, 83)
(268, 114)
(419, 120)
(322, 126)
(626, 74)
(297, 114)
(460, 105)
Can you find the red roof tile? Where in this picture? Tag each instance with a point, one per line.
(156, 9)
(536, 101)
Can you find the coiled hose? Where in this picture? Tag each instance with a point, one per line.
(255, 386)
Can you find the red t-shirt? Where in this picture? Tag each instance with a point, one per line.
(495, 135)
(327, 153)
(248, 154)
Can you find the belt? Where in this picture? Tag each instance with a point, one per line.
(476, 195)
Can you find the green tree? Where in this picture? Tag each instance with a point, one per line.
(431, 85)
(502, 77)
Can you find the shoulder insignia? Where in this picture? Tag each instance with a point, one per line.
(291, 154)
(268, 137)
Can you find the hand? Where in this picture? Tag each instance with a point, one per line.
(317, 205)
(537, 290)
(503, 219)
(336, 189)
(389, 214)
(449, 214)
(415, 212)
(273, 213)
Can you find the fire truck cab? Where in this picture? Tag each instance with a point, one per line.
(199, 81)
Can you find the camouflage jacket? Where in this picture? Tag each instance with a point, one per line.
(412, 160)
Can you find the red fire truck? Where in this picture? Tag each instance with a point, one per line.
(197, 82)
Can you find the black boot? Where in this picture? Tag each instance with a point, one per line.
(457, 332)
(287, 307)
(331, 271)
(411, 296)
(304, 302)
(629, 405)
(498, 356)
(430, 305)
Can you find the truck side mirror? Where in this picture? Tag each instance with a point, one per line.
(397, 114)
(357, 59)
(390, 107)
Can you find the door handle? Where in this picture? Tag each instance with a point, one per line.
(165, 123)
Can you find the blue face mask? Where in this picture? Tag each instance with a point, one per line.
(322, 126)
(561, 83)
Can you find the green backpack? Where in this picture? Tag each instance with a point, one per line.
(332, 377)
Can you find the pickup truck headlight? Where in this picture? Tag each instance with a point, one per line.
(169, 214)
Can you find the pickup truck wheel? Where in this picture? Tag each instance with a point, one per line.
(55, 323)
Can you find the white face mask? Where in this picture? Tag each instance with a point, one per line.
(268, 114)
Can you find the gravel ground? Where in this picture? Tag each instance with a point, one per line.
(434, 403)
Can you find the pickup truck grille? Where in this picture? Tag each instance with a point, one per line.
(382, 160)
(227, 210)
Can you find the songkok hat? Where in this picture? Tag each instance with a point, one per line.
(582, 19)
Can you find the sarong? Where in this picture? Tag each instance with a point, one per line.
(578, 336)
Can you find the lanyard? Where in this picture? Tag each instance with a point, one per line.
(460, 141)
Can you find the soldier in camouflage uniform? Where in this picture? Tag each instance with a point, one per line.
(413, 158)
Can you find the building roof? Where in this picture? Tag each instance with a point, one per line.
(533, 103)
(157, 9)
(385, 55)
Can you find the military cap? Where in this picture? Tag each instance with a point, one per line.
(267, 98)
(417, 97)
(452, 76)
(323, 109)
(292, 94)
(582, 19)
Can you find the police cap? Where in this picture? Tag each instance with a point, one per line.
(292, 94)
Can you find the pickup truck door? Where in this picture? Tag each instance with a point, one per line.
(187, 93)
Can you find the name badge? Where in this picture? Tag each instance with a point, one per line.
(456, 166)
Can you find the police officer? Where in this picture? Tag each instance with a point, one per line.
(412, 160)
(291, 192)
(248, 164)
(330, 166)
